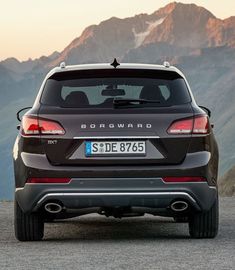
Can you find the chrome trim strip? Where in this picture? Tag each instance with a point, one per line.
(17, 189)
(212, 187)
(116, 137)
(116, 194)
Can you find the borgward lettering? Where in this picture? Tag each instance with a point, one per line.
(118, 125)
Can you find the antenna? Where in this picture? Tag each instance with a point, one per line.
(115, 63)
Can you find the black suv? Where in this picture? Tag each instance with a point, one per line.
(119, 140)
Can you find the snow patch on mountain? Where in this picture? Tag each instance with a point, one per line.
(140, 37)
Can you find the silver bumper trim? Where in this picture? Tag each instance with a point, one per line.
(117, 137)
(93, 194)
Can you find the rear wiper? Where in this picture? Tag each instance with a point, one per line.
(131, 101)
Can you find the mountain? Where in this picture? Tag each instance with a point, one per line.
(227, 183)
(18, 69)
(174, 30)
(114, 37)
(184, 26)
(221, 32)
(188, 36)
(180, 25)
(202, 29)
(100, 43)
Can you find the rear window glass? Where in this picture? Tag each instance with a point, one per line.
(79, 91)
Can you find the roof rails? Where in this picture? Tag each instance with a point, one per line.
(62, 65)
(166, 64)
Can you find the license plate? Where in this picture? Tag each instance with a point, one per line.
(115, 148)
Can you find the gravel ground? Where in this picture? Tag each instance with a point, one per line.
(96, 242)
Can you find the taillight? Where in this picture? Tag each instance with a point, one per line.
(46, 180)
(201, 125)
(196, 125)
(183, 179)
(181, 127)
(36, 126)
(30, 126)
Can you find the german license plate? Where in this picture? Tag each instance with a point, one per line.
(115, 148)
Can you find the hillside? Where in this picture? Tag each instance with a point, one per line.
(181, 25)
(189, 36)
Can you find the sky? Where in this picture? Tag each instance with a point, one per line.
(32, 28)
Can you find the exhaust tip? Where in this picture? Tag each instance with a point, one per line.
(179, 206)
(53, 208)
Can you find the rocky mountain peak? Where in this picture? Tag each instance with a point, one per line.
(184, 25)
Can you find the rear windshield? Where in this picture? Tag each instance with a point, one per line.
(79, 90)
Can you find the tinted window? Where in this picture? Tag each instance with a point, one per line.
(99, 92)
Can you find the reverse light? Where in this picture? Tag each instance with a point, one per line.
(196, 125)
(43, 180)
(183, 179)
(32, 125)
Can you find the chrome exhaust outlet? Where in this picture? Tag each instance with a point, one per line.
(179, 206)
(53, 208)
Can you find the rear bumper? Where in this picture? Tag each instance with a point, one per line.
(38, 165)
(113, 186)
(116, 192)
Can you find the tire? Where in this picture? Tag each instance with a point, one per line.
(205, 224)
(28, 227)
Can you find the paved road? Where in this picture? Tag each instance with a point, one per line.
(95, 242)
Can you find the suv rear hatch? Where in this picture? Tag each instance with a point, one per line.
(82, 103)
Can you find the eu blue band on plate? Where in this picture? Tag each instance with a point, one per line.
(88, 148)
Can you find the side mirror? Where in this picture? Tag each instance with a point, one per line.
(206, 110)
(18, 114)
